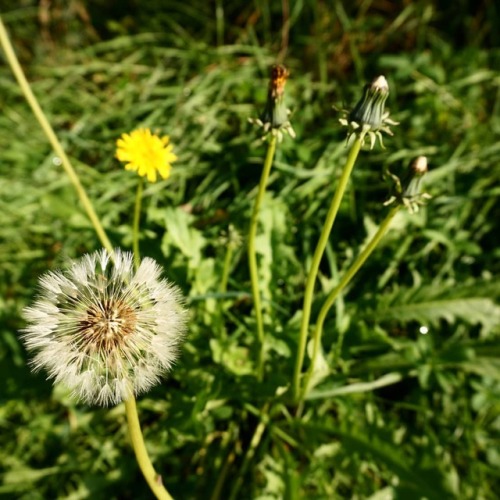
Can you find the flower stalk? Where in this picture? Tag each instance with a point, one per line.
(318, 254)
(274, 121)
(368, 118)
(252, 254)
(332, 296)
(408, 194)
(250, 453)
(51, 136)
(153, 479)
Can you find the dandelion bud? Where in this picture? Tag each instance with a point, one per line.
(411, 182)
(407, 191)
(104, 330)
(369, 116)
(370, 109)
(274, 119)
(275, 112)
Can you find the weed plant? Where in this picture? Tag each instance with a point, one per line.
(402, 400)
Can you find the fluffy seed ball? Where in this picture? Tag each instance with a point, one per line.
(103, 329)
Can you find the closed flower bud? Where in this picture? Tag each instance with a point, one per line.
(413, 179)
(370, 109)
(275, 112)
(407, 190)
(274, 119)
(369, 116)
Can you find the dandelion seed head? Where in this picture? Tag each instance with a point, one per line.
(104, 330)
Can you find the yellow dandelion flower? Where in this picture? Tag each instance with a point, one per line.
(146, 153)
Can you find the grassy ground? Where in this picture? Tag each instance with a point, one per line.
(400, 414)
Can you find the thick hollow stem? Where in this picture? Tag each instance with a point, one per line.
(252, 257)
(346, 278)
(49, 132)
(153, 479)
(318, 254)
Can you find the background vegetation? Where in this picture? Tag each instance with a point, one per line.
(401, 414)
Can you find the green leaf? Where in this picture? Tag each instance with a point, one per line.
(182, 236)
(418, 481)
(385, 380)
(428, 305)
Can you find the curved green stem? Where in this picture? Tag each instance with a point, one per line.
(226, 267)
(49, 132)
(229, 444)
(223, 286)
(346, 278)
(252, 257)
(153, 479)
(318, 254)
(254, 443)
(137, 218)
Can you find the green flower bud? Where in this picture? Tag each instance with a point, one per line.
(370, 109)
(369, 118)
(407, 191)
(274, 120)
(413, 178)
(275, 112)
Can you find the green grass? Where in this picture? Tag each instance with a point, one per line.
(402, 414)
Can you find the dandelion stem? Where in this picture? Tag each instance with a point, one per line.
(346, 278)
(49, 132)
(223, 287)
(252, 257)
(153, 479)
(229, 443)
(227, 267)
(137, 218)
(252, 447)
(318, 254)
